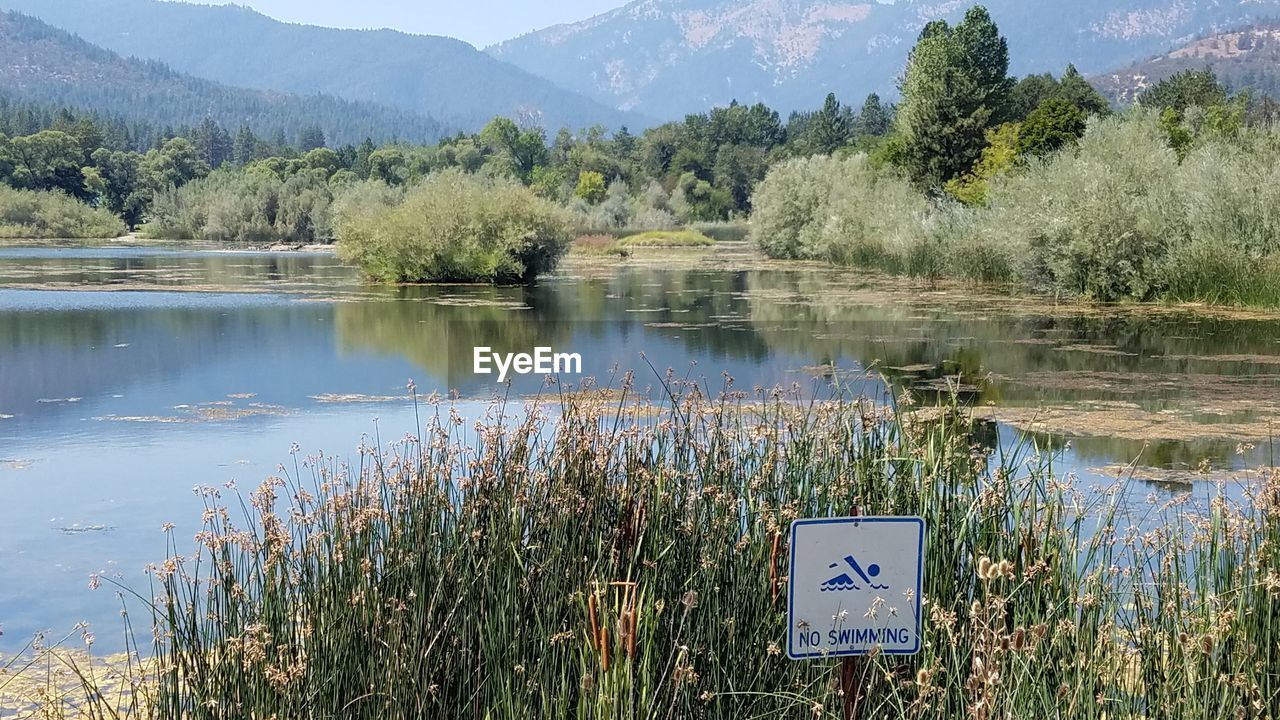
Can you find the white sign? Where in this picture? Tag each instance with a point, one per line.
(855, 586)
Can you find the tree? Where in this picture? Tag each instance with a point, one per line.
(512, 151)
(737, 170)
(121, 192)
(6, 159)
(388, 164)
(697, 199)
(214, 144)
(245, 147)
(1029, 92)
(310, 138)
(1055, 123)
(1076, 90)
(875, 119)
(956, 86)
(1183, 90)
(1000, 154)
(591, 186)
(48, 160)
(173, 165)
(830, 128)
(322, 159)
(361, 164)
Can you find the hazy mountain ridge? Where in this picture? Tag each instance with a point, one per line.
(40, 63)
(1244, 58)
(667, 57)
(440, 77)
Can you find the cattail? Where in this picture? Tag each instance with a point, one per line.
(595, 627)
(604, 649)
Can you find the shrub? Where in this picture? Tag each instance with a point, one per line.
(1113, 216)
(456, 227)
(790, 204)
(723, 231)
(598, 245)
(1229, 201)
(30, 214)
(249, 205)
(1095, 221)
(875, 219)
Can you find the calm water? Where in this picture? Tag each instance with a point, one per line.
(128, 376)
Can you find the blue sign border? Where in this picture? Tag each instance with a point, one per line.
(791, 587)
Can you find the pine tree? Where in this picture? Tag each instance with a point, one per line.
(830, 128)
(246, 146)
(875, 118)
(310, 138)
(956, 86)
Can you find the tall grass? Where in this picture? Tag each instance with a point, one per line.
(587, 556)
(28, 214)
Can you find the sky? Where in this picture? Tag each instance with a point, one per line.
(479, 22)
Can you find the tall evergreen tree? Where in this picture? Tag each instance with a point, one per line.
(1076, 90)
(245, 147)
(875, 118)
(214, 144)
(830, 128)
(310, 138)
(956, 86)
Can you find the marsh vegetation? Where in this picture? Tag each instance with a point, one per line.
(620, 559)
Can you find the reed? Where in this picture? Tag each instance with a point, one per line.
(589, 556)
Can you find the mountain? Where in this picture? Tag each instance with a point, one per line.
(667, 57)
(435, 76)
(1243, 59)
(43, 64)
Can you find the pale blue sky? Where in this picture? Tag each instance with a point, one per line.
(479, 22)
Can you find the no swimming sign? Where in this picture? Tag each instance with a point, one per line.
(855, 586)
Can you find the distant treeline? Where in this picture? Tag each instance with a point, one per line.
(217, 183)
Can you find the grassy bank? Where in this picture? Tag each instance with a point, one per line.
(630, 561)
(1118, 216)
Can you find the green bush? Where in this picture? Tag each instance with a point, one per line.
(30, 214)
(249, 205)
(456, 227)
(1118, 215)
(789, 206)
(729, 231)
(875, 219)
(1093, 221)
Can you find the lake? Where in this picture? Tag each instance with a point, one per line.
(129, 376)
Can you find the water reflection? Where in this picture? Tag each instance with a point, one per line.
(202, 367)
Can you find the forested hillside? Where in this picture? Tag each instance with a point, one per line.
(43, 64)
(439, 77)
(1243, 59)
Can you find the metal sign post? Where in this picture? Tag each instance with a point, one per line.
(855, 589)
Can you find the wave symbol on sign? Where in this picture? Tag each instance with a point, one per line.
(844, 581)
